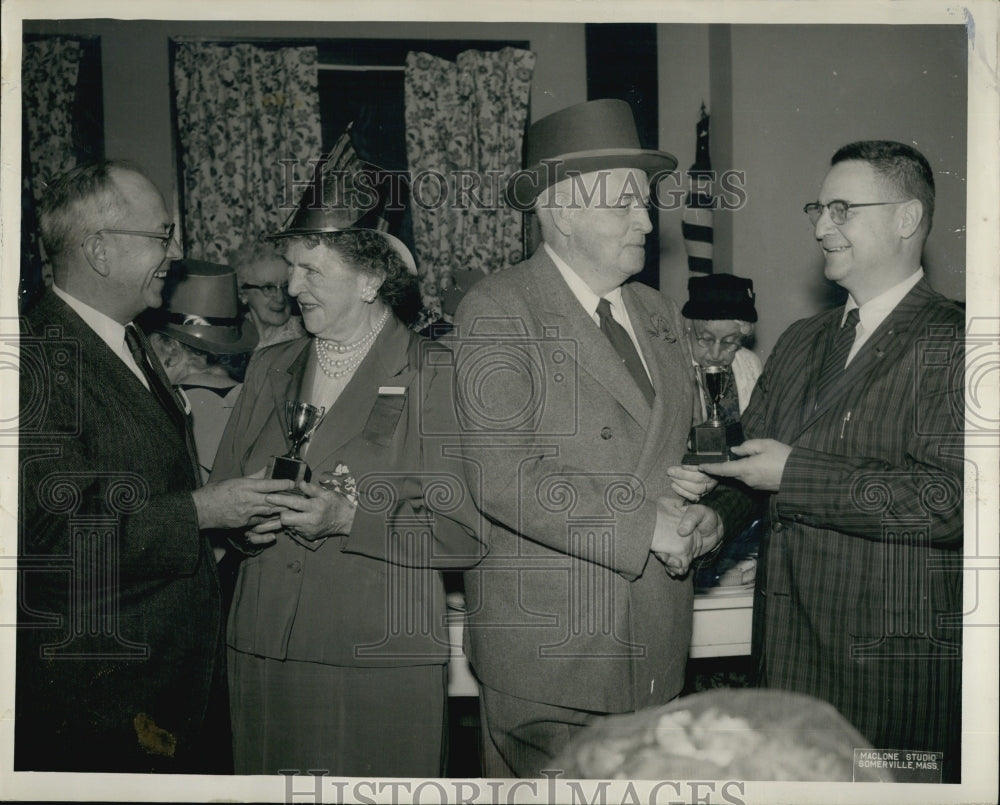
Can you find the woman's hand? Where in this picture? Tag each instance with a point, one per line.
(314, 514)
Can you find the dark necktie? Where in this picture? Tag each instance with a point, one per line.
(836, 355)
(141, 351)
(622, 342)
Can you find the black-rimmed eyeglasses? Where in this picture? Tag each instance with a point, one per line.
(166, 238)
(839, 209)
(270, 289)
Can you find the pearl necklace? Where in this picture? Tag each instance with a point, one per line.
(339, 367)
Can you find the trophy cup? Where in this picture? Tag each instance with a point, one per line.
(711, 440)
(301, 419)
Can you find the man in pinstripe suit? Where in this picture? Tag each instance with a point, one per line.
(120, 653)
(856, 438)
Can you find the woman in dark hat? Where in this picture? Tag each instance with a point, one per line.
(720, 315)
(338, 647)
(194, 335)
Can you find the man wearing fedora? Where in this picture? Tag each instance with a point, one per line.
(574, 394)
(119, 650)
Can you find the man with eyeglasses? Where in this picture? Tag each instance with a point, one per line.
(120, 636)
(856, 447)
(262, 277)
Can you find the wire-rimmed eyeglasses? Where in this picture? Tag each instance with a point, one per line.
(725, 345)
(269, 290)
(839, 209)
(166, 238)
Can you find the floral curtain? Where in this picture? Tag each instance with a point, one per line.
(49, 72)
(50, 68)
(465, 123)
(249, 127)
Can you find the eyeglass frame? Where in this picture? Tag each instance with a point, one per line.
(727, 346)
(249, 286)
(166, 237)
(818, 207)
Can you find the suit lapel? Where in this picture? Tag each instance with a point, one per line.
(285, 384)
(386, 364)
(108, 365)
(882, 348)
(595, 355)
(671, 374)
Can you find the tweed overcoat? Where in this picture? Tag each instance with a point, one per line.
(566, 461)
(859, 588)
(120, 633)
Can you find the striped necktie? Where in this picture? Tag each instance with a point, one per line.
(835, 360)
(622, 342)
(144, 356)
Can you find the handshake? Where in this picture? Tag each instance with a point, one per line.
(683, 533)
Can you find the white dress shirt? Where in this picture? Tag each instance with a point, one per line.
(589, 300)
(875, 311)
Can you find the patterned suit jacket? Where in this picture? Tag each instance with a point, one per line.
(566, 460)
(859, 593)
(120, 632)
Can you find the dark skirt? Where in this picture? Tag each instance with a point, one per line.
(346, 721)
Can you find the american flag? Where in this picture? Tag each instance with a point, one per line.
(696, 223)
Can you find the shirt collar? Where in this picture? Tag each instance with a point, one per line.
(583, 292)
(873, 312)
(109, 330)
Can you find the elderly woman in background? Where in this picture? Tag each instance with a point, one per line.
(194, 334)
(337, 645)
(263, 285)
(719, 315)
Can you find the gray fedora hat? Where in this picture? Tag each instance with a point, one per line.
(586, 137)
(202, 310)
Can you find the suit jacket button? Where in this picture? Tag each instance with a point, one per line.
(295, 567)
(606, 433)
(777, 527)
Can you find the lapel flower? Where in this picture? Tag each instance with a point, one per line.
(661, 329)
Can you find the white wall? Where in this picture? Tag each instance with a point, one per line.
(801, 92)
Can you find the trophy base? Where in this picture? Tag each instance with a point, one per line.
(291, 469)
(694, 459)
(711, 442)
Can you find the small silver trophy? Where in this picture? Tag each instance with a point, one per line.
(711, 440)
(301, 419)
